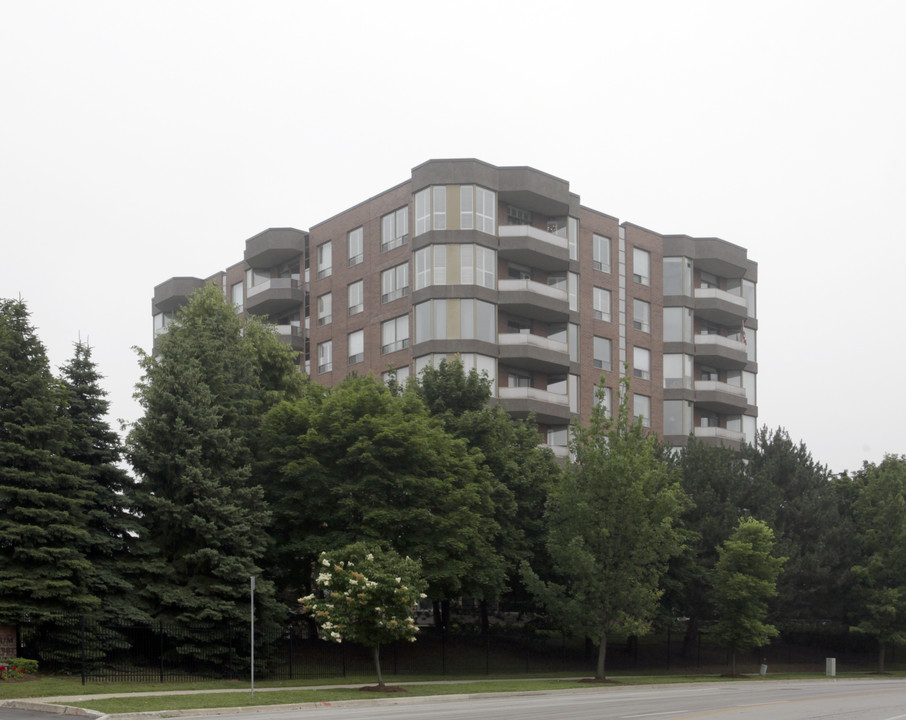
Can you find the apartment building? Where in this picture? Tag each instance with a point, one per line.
(504, 268)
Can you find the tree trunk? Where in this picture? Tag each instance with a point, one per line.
(882, 648)
(377, 663)
(602, 653)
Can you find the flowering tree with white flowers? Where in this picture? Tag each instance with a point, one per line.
(366, 594)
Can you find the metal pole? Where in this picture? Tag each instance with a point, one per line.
(252, 613)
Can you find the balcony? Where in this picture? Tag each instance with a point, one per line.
(531, 299)
(533, 352)
(719, 436)
(174, 293)
(720, 397)
(549, 408)
(530, 246)
(274, 296)
(292, 335)
(719, 351)
(720, 307)
(561, 452)
(274, 247)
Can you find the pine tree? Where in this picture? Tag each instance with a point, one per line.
(97, 449)
(203, 515)
(43, 569)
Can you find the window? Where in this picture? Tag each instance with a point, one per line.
(485, 267)
(600, 249)
(641, 409)
(573, 341)
(601, 303)
(641, 363)
(325, 259)
(355, 246)
(256, 277)
(641, 315)
(677, 276)
(325, 312)
(356, 346)
(748, 292)
(395, 283)
(677, 324)
(400, 374)
(454, 264)
(422, 268)
(572, 290)
(677, 417)
(325, 356)
(453, 319)
(641, 266)
(518, 216)
(558, 436)
(708, 280)
(395, 229)
(236, 296)
(477, 209)
(678, 371)
(604, 398)
(440, 207)
(355, 296)
(395, 334)
(602, 352)
(572, 237)
(517, 379)
(748, 383)
(423, 211)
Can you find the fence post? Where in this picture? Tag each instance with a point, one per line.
(82, 645)
(291, 631)
(160, 630)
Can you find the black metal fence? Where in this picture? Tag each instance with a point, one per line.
(162, 652)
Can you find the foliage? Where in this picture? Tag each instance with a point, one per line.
(203, 514)
(357, 463)
(612, 526)
(366, 595)
(97, 451)
(12, 668)
(744, 580)
(880, 588)
(43, 568)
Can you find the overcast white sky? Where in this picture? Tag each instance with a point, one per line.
(142, 140)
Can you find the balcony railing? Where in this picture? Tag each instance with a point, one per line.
(511, 231)
(532, 287)
(530, 393)
(720, 341)
(527, 339)
(722, 295)
(716, 386)
(273, 284)
(719, 433)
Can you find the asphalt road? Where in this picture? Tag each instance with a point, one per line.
(879, 699)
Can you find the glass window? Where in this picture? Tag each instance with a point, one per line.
(485, 211)
(395, 229)
(485, 267)
(325, 356)
(572, 284)
(602, 350)
(395, 283)
(355, 246)
(440, 264)
(236, 296)
(423, 211)
(325, 309)
(485, 321)
(557, 384)
(709, 280)
(600, 248)
(256, 277)
(748, 337)
(641, 266)
(678, 371)
(677, 324)
(518, 379)
(423, 322)
(468, 320)
(604, 397)
(440, 207)
(355, 297)
(748, 292)
(641, 315)
(641, 408)
(677, 276)
(641, 363)
(439, 327)
(558, 436)
(325, 259)
(422, 268)
(572, 237)
(395, 334)
(601, 303)
(401, 374)
(466, 207)
(573, 342)
(748, 383)
(749, 423)
(677, 417)
(356, 346)
(466, 264)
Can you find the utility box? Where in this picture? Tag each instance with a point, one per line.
(830, 667)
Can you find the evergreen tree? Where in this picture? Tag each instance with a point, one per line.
(203, 514)
(612, 524)
(744, 580)
(880, 572)
(43, 569)
(96, 450)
